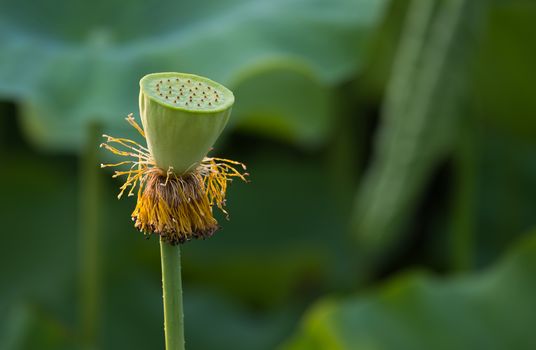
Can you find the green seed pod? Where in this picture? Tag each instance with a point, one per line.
(183, 115)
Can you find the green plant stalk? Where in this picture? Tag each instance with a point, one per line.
(172, 295)
(90, 219)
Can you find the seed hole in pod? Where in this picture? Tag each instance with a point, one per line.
(181, 94)
(161, 95)
(194, 93)
(210, 103)
(189, 81)
(186, 103)
(209, 87)
(216, 100)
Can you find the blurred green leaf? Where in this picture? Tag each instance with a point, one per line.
(494, 310)
(72, 62)
(420, 117)
(285, 101)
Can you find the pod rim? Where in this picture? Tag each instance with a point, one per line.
(229, 100)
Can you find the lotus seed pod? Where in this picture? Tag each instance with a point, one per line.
(183, 115)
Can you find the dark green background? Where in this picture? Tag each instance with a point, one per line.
(392, 152)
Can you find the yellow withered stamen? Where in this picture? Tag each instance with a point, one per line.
(176, 207)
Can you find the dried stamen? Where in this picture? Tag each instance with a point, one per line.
(176, 207)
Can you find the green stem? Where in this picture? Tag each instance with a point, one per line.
(90, 250)
(172, 287)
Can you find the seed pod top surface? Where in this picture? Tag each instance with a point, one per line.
(183, 115)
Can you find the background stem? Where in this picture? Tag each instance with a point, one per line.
(172, 288)
(90, 250)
